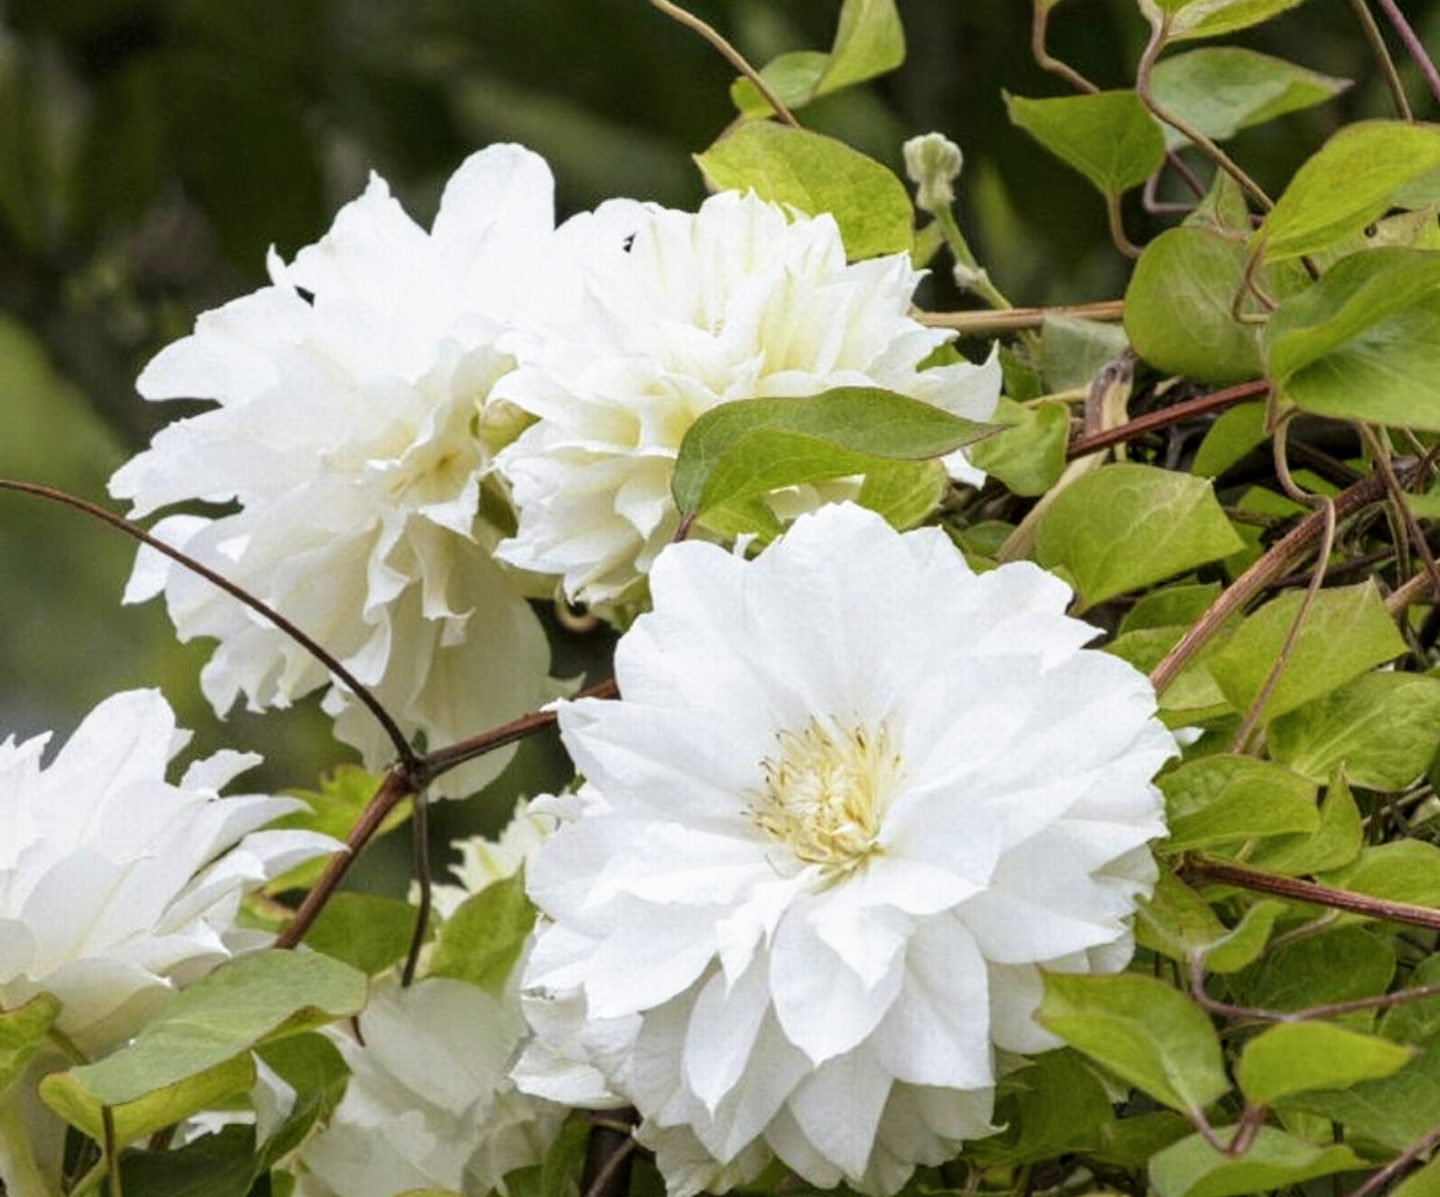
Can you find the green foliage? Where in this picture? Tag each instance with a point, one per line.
(1361, 172)
(22, 1033)
(1293, 1057)
(198, 1050)
(1380, 729)
(748, 448)
(482, 940)
(1129, 526)
(1356, 344)
(1192, 1168)
(1219, 90)
(1028, 455)
(1109, 137)
(366, 931)
(1178, 307)
(1345, 632)
(870, 41)
(1226, 799)
(815, 174)
(1144, 1032)
(1210, 18)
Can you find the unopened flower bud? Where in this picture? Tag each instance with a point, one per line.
(933, 163)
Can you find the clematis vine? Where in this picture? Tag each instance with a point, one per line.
(854, 798)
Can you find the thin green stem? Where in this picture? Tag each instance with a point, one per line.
(1039, 24)
(1193, 135)
(731, 54)
(1240, 743)
(1414, 45)
(420, 855)
(969, 274)
(308, 643)
(1376, 41)
(1282, 557)
(991, 324)
(19, 1170)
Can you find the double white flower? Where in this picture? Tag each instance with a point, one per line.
(349, 396)
(853, 797)
(683, 312)
(116, 885)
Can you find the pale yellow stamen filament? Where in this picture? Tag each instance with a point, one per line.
(824, 794)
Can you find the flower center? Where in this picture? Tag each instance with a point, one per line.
(825, 793)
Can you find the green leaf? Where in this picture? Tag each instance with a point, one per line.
(1334, 966)
(1211, 18)
(752, 446)
(343, 794)
(1178, 307)
(1423, 1183)
(1073, 351)
(366, 931)
(1358, 344)
(1275, 1160)
(793, 77)
(1054, 1106)
(483, 939)
(159, 1106)
(1416, 1021)
(1229, 439)
(223, 1164)
(1028, 455)
(1352, 180)
(313, 1067)
(1224, 799)
(1380, 729)
(22, 1033)
(904, 492)
(1109, 137)
(559, 1175)
(1345, 632)
(1126, 526)
(198, 1049)
(1132, 1141)
(1403, 871)
(1335, 843)
(1219, 90)
(1394, 1111)
(1179, 923)
(1293, 1057)
(1143, 1031)
(817, 175)
(1175, 606)
(869, 42)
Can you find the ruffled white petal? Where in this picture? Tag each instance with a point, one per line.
(853, 797)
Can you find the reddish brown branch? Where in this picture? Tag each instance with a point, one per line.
(1199, 869)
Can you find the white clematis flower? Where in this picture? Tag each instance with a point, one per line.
(346, 434)
(853, 796)
(115, 885)
(428, 1104)
(683, 312)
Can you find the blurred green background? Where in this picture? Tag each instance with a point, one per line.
(152, 150)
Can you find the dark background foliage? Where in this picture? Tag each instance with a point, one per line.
(151, 151)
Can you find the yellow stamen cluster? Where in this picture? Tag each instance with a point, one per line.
(825, 793)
